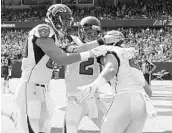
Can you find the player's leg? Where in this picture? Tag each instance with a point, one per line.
(45, 119)
(138, 114)
(34, 101)
(2, 79)
(28, 99)
(47, 111)
(102, 110)
(118, 116)
(73, 116)
(7, 83)
(5, 75)
(20, 97)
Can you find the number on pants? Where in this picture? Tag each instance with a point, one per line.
(84, 69)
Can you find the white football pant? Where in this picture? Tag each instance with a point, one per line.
(127, 114)
(32, 106)
(76, 111)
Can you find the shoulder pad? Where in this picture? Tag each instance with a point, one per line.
(43, 31)
(129, 53)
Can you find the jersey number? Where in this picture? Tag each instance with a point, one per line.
(4, 62)
(84, 69)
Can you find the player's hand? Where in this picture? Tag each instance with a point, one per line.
(113, 37)
(99, 51)
(86, 93)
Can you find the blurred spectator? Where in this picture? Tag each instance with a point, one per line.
(12, 42)
(137, 9)
(155, 44)
(147, 68)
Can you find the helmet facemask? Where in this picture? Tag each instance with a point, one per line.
(60, 16)
(61, 23)
(89, 33)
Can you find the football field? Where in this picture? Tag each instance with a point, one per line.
(162, 100)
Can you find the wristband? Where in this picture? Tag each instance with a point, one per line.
(85, 55)
(101, 41)
(100, 81)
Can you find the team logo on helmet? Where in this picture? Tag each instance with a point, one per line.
(60, 16)
(58, 9)
(44, 31)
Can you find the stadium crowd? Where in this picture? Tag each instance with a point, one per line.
(153, 43)
(141, 9)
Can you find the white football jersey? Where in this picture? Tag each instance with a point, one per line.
(81, 73)
(36, 65)
(128, 78)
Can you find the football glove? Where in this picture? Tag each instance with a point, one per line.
(87, 92)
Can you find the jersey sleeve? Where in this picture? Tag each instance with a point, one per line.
(129, 53)
(43, 31)
(101, 59)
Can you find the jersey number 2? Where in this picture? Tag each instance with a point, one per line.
(84, 69)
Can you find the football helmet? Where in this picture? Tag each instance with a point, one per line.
(89, 28)
(60, 17)
(118, 35)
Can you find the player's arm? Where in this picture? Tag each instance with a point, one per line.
(111, 64)
(93, 44)
(88, 46)
(57, 54)
(147, 89)
(82, 47)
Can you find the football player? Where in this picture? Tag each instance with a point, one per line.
(6, 64)
(131, 105)
(41, 50)
(82, 73)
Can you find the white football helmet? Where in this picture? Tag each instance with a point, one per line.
(118, 35)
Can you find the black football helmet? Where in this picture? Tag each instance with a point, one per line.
(60, 17)
(89, 28)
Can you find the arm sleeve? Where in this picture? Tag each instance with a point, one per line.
(87, 46)
(110, 67)
(58, 55)
(102, 59)
(81, 46)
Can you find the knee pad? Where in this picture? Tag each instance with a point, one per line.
(34, 109)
